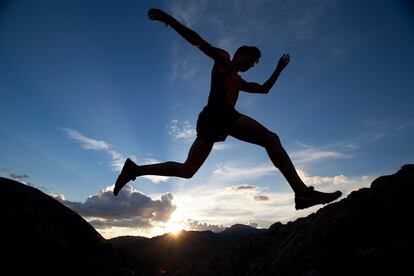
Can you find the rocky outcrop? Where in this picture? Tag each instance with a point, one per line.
(40, 236)
(368, 233)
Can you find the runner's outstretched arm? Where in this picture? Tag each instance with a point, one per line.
(188, 34)
(265, 87)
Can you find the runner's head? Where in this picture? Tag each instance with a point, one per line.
(246, 57)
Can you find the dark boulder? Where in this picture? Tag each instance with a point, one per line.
(40, 236)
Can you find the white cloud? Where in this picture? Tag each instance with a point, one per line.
(186, 132)
(313, 180)
(130, 208)
(118, 159)
(195, 225)
(248, 189)
(253, 224)
(310, 154)
(243, 172)
(188, 12)
(156, 178)
(185, 66)
(345, 184)
(86, 142)
(221, 146)
(92, 144)
(182, 130)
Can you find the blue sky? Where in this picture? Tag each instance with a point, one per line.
(86, 84)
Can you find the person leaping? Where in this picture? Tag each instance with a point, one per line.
(219, 118)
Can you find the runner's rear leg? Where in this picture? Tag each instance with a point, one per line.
(198, 153)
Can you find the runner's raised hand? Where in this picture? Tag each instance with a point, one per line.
(283, 62)
(159, 15)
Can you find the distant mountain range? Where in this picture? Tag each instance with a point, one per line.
(368, 233)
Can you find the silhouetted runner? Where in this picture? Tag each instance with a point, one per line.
(219, 118)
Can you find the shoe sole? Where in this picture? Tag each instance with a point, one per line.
(303, 203)
(123, 177)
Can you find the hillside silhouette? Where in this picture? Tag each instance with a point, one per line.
(368, 233)
(40, 236)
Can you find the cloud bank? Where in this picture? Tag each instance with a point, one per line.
(130, 208)
(195, 225)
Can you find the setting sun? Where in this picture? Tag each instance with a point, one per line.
(174, 228)
(177, 222)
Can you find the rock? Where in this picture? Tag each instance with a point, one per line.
(40, 236)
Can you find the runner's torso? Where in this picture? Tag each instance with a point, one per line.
(225, 85)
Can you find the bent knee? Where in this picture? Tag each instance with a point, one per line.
(189, 172)
(271, 138)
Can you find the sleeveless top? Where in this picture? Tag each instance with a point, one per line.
(224, 89)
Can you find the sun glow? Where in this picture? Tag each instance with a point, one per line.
(177, 222)
(175, 229)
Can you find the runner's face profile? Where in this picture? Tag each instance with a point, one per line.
(246, 62)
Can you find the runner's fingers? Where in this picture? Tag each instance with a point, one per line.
(155, 14)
